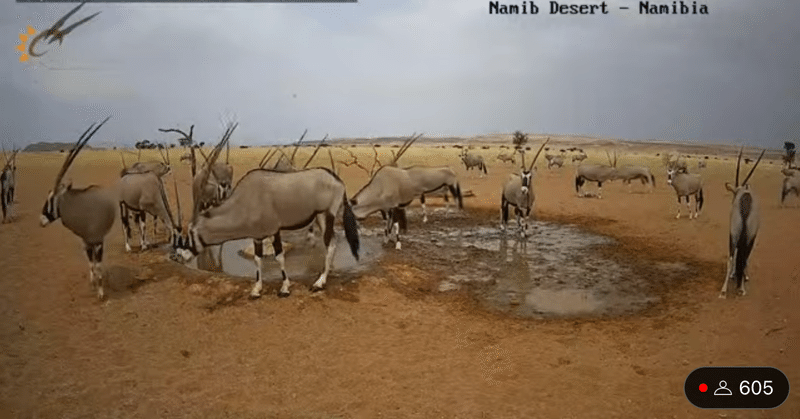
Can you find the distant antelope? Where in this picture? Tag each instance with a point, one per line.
(791, 183)
(597, 173)
(701, 164)
(159, 168)
(87, 212)
(745, 219)
(642, 173)
(216, 187)
(686, 185)
(580, 157)
(518, 192)
(506, 157)
(473, 160)
(554, 160)
(262, 204)
(8, 185)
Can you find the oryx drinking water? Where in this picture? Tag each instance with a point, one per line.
(518, 192)
(262, 204)
(745, 219)
(391, 189)
(87, 212)
(686, 185)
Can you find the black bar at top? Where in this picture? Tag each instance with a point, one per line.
(187, 1)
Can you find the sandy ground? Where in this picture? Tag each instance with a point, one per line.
(170, 342)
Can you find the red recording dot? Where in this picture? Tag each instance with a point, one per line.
(703, 388)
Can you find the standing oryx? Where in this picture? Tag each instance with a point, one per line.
(518, 192)
(8, 185)
(686, 185)
(598, 173)
(580, 157)
(160, 169)
(473, 160)
(745, 218)
(642, 173)
(791, 183)
(263, 204)
(554, 160)
(216, 187)
(506, 158)
(144, 193)
(87, 212)
(391, 189)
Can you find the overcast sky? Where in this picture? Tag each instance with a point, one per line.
(393, 67)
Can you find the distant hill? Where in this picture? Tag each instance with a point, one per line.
(38, 147)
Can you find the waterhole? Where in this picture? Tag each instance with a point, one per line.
(557, 271)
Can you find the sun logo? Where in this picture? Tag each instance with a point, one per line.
(23, 38)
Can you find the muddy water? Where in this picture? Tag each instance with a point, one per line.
(304, 259)
(556, 272)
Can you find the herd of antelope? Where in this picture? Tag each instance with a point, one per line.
(268, 200)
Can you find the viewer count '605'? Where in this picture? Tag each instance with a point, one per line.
(597, 8)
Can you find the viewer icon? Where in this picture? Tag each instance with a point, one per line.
(723, 389)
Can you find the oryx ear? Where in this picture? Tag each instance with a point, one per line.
(730, 188)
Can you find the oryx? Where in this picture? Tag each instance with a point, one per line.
(144, 193)
(506, 158)
(791, 183)
(642, 173)
(518, 192)
(580, 157)
(391, 189)
(160, 169)
(87, 212)
(701, 164)
(686, 185)
(262, 204)
(598, 173)
(745, 218)
(8, 185)
(473, 160)
(554, 160)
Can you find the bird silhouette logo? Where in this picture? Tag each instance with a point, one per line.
(50, 35)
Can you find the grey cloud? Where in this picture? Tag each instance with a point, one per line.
(391, 68)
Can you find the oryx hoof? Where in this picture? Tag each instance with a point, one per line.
(100, 294)
(742, 292)
(424, 219)
(397, 245)
(722, 295)
(315, 288)
(283, 294)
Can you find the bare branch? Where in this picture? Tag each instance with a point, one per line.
(315, 151)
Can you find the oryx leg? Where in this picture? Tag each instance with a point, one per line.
(95, 255)
(599, 190)
(142, 233)
(258, 255)
(388, 229)
(424, 211)
(503, 214)
(679, 208)
(4, 204)
(731, 262)
(124, 213)
(330, 246)
(278, 247)
(394, 222)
